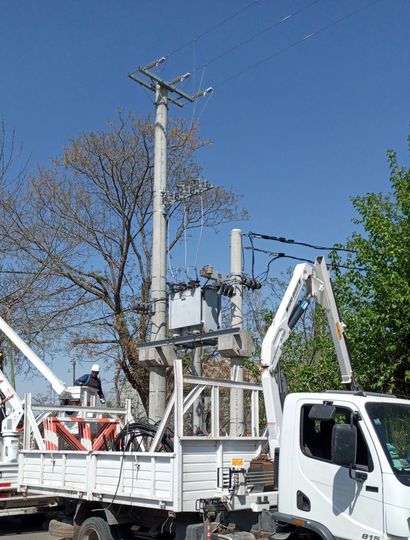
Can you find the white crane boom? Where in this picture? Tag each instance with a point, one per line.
(322, 291)
(57, 385)
(317, 282)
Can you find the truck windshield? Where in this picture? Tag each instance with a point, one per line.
(391, 422)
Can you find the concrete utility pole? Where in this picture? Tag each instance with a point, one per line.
(157, 380)
(237, 423)
(198, 407)
(163, 90)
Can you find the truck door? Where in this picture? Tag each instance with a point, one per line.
(325, 492)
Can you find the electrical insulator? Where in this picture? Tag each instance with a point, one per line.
(141, 308)
(250, 283)
(226, 290)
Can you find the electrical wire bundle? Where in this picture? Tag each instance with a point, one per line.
(134, 437)
(274, 256)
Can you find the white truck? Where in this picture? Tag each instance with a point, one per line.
(337, 464)
(12, 410)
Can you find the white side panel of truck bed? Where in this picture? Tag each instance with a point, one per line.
(201, 459)
(169, 481)
(135, 476)
(139, 479)
(54, 473)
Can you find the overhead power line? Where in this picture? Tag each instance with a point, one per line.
(283, 240)
(295, 43)
(258, 34)
(214, 27)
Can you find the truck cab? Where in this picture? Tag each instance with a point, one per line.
(344, 465)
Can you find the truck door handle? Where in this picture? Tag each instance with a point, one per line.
(374, 489)
(359, 476)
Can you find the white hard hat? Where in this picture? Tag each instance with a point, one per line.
(95, 367)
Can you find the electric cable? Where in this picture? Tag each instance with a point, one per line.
(129, 436)
(258, 34)
(201, 230)
(204, 106)
(185, 243)
(295, 44)
(74, 325)
(252, 256)
(169, 257)
(265, 274)
(276, 256)
(97, 319)
(131, 432)
(195, 104)
(296, 243)
(119, 475)
(193, 73)
(214, 27)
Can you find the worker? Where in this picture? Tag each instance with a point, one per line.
(92, 380)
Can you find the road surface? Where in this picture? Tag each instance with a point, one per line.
(27, 528)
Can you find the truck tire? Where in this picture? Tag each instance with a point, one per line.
(94, 528)
(58, 529)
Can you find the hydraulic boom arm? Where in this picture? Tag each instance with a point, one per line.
(11, 403)
(316, 280)
(57, 385)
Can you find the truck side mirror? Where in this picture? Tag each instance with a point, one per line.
(344, 445)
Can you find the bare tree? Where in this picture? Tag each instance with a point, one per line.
(84, 224)
(26, 301)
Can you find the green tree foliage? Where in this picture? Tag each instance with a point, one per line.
(372, 287)
(374, 293)
(308, 359)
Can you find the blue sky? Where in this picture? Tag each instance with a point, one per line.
(296, 136)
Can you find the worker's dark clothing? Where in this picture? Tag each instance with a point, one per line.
(93, 382)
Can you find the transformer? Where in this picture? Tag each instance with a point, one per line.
(194, 310)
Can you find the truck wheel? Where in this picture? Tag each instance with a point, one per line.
(94, 528)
